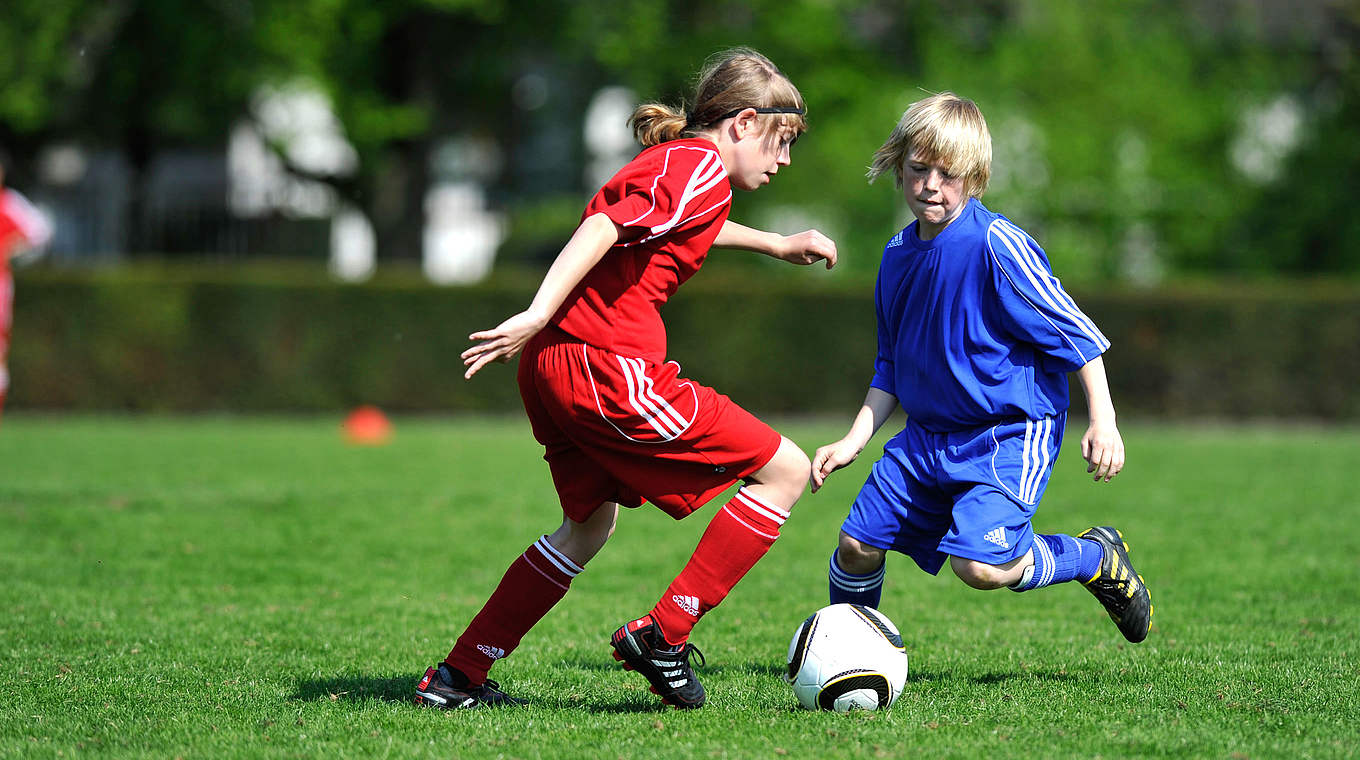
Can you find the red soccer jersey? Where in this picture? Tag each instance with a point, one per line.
(669, 204)
(20, 224)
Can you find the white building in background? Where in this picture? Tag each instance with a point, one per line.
(609, 141)
(245, 201)
(353, 245)
(298, 118)
(461, 234)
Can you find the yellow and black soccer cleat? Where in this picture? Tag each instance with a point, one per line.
(1118, 586)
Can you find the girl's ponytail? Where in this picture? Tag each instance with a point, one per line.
(654, 124)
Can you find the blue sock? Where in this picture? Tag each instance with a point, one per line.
(1060, 558)
(855, 589)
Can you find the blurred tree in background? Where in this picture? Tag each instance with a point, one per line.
(1136, 140)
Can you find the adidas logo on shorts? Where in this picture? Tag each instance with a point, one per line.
(997, 536)
(689, 604)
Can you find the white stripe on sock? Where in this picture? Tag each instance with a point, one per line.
(559, 560)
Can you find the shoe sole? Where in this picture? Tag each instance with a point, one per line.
(426, 699)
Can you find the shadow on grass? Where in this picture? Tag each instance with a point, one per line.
(357, 689)
(648, 703)
(1030, 675)
(401, 689)
(1053, 676)
(608, 664)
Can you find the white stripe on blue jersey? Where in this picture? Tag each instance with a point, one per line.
(1013, 251)
(974, 327)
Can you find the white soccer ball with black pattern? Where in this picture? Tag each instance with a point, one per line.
(847, 657)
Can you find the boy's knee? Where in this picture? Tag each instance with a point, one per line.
(979, 575)
(857, 558)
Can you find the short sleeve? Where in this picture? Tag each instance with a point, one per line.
(1034, 307)
(885, 371)
(664, 191)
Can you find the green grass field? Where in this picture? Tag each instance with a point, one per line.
(223, 587)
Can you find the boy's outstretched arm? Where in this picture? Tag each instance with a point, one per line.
(806, 247)
(878, 406)
(1102, 447)
(587, 246)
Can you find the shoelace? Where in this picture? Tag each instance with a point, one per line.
(692, 652)
(686, 655)
(1115, 588)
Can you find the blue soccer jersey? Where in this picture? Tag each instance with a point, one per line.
(974, 328)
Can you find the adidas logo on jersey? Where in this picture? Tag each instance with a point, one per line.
(494, 653)
(997, 536)
(689, 604)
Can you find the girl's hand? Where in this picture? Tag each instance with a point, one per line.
(830, 458)
(807, 247)
(502, 343)
(1103, 449)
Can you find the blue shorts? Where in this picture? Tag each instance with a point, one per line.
(968, 494)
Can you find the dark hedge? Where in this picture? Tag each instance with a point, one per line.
(157, 341)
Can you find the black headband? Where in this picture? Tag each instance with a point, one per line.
(777, 109)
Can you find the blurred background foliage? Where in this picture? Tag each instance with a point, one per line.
(1190, 166)
(1139, 140)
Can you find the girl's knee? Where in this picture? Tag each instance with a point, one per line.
(793, 463)
(791, 468)
(783, 478)
(581, 541)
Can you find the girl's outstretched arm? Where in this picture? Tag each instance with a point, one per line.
(596, 235)
(806, 247)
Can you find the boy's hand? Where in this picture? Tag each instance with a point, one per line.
(1103, 449)
(830, 458)
(502, 343)
(808, 247)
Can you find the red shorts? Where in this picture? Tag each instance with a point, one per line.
(627, 430)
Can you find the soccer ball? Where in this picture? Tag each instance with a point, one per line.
(846, 657)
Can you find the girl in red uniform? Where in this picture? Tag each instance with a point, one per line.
(619, 424)
(23, 229)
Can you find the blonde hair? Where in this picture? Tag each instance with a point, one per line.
(944, 129)
(731, 80)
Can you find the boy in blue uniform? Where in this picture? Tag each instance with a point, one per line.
(975, 340)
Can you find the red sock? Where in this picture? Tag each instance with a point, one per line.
(533, 584)
(739, 535)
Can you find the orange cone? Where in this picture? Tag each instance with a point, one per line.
(367, 426)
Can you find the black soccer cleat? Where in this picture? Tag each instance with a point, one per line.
(640, 646)
(1118, 586)
(437, 689)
